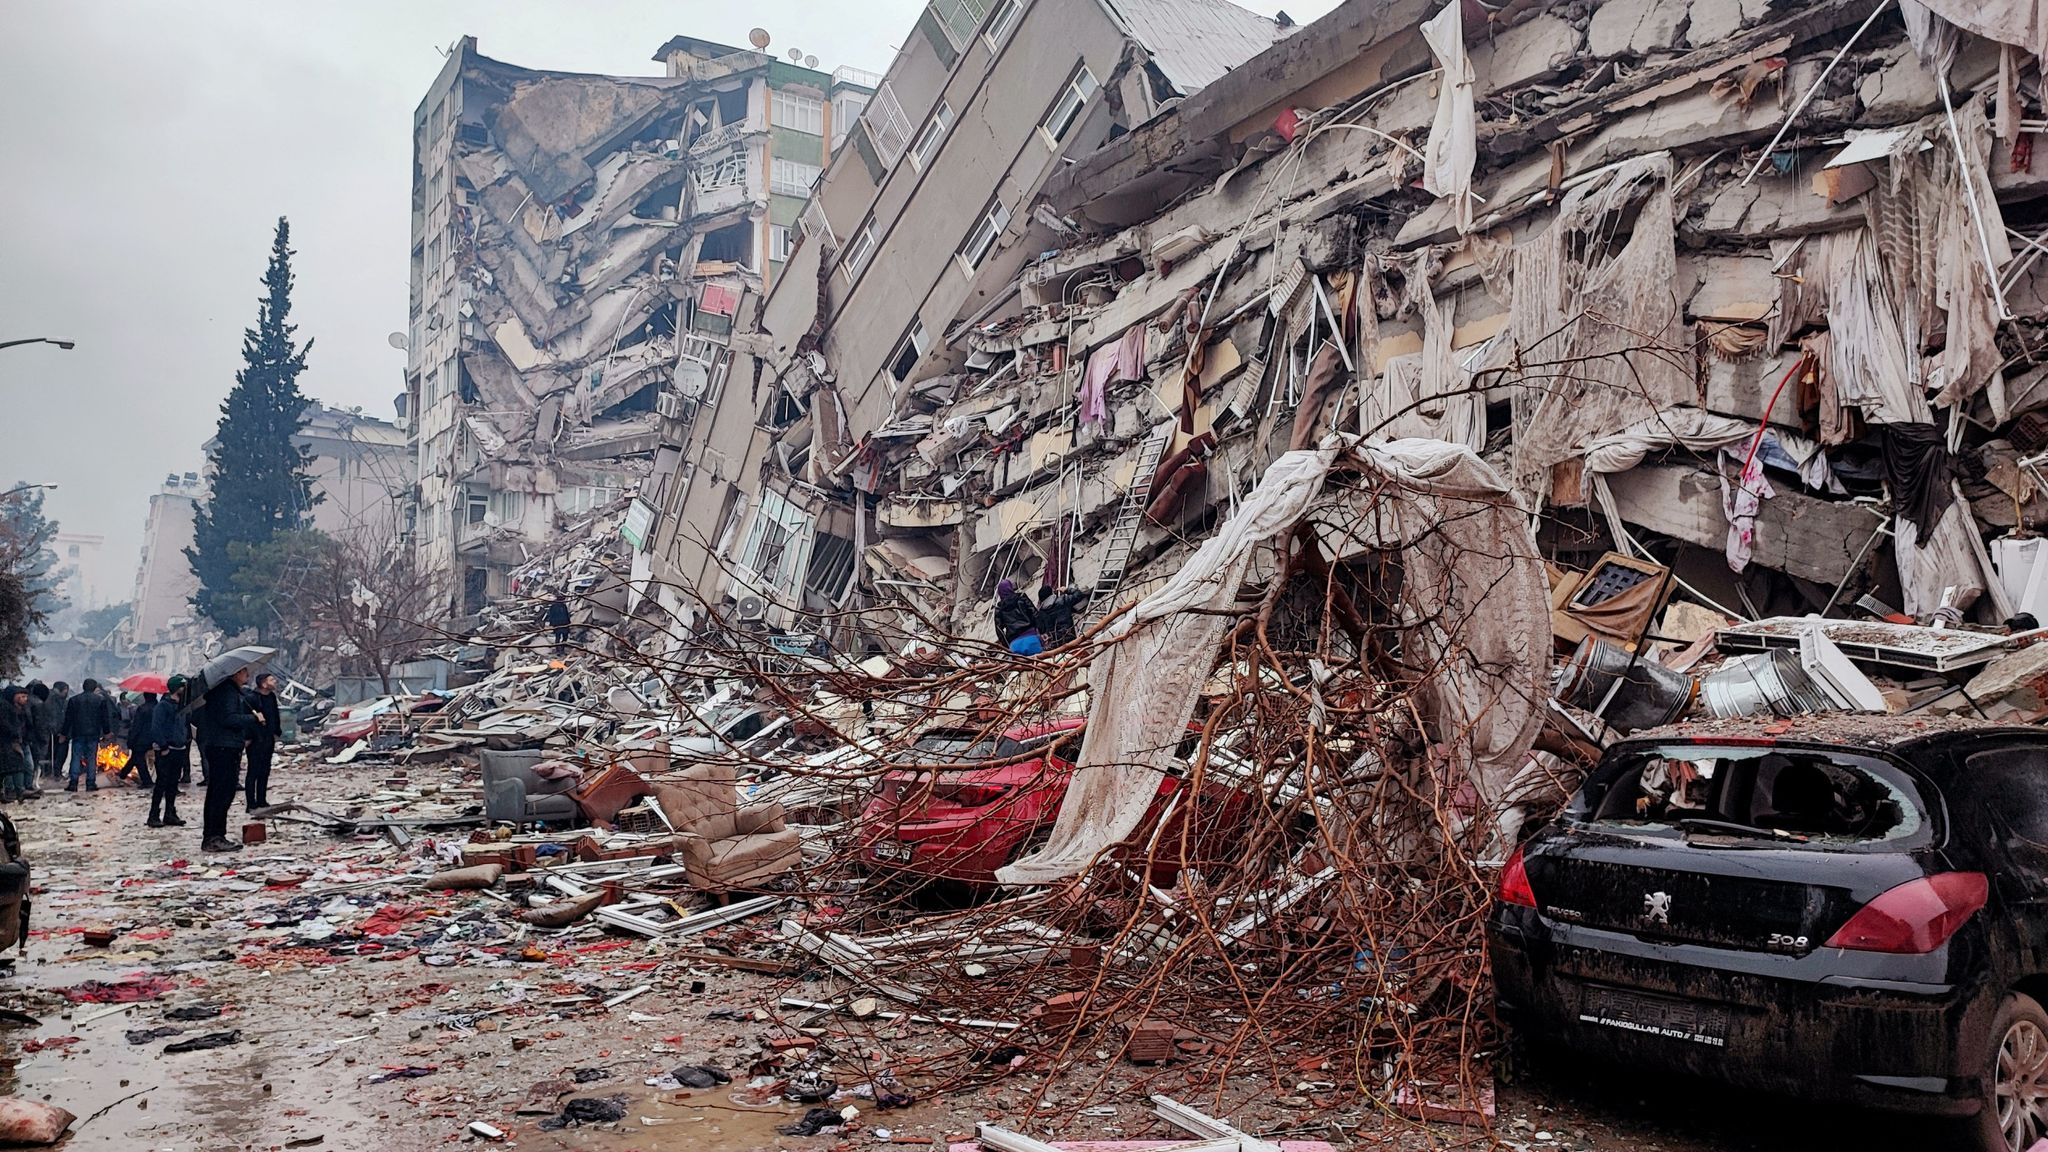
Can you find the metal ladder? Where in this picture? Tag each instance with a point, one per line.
(1130, 518)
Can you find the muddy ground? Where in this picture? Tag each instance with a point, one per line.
(317, 1030)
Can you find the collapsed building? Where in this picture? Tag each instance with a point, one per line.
(1744, 291)
(858, 343)
(579, 244)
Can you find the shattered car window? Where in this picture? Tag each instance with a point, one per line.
(1806, 795)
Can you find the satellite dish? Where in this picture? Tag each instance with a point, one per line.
(796, 53)
(397, 340)
(759, 39)
(810, 61)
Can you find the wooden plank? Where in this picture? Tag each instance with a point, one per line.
(1796, 534)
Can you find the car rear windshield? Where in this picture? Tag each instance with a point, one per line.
(1821, 797)
(941, 748)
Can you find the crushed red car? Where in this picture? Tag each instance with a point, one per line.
(965, 803)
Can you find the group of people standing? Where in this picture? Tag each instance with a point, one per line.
(1028, 629)
(52, 731)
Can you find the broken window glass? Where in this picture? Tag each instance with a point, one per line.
(1800, 795)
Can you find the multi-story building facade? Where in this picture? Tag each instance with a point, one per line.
(580, 247)
(901, 251)
(164, 582)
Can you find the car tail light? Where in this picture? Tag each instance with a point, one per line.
(1915, 917)
(1514, 883)
(970, 795)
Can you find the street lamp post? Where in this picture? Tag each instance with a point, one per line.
(66, 345)
(19, 488)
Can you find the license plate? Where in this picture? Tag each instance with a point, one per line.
(892, 850)
(1664, 1016)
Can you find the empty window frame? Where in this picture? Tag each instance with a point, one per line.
(1067, 107)
(798, 111)
(1002, 23)
(934, 131)
(792, 177)
(781, 242)
(908, 351)
(981, 240)
(858, 249)
(846, 109)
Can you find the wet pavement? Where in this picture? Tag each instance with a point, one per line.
(329, 1025)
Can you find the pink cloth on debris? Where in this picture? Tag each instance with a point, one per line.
(1122, 360)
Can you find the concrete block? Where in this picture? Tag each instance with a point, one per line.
(1715, 20)
(1628, 28)
(1529, 51)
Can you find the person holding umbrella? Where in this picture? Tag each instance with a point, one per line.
(226, 722)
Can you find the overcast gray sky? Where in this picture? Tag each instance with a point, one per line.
(148, 149)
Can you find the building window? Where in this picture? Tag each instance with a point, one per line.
(846, 108)
(1002, 23)
(781, 242)
(983, 238)
(934, 131)
(477, 508)
(510, 506)
(1067, 108)
(908, 351)
(798, 111)
(888, 127)
(791, 178)
(728, 171)
(776, 542)
(729, 523)
(959, 18)
(858, 249)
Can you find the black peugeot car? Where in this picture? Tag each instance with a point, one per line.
(1848, 908)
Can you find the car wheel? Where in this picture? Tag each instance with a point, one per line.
(2015, 1114)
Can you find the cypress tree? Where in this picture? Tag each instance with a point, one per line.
(260, 486)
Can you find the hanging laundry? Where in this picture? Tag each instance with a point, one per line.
(1740, 504)
(1453, 145)
(1916, 466)
(1122, 359)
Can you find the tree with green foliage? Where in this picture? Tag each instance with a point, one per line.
(260, 486)
(29, 575)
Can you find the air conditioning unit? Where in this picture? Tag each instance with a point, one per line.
(751, 609)
(668, 405)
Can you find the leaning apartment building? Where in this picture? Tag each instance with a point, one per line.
(1750, 292)
(578, 244)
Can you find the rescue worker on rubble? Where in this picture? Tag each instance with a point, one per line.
(225, 723)
(170, 737)
(1056, 614)
(1017, 620)
(557, 617)
(262, 742)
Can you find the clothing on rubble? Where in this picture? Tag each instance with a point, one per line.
(1123, 359)
(1916, 465)
(1740, 503)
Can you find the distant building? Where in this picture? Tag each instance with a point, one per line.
(164, 582)
(361, 468)
(80, 582)
(580, 248)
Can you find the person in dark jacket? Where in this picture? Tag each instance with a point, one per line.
(1017, 620)
(53, 725)
(262, 742)
(558, 618)
(89, 718)
(1056, 614)
(140, 722)
(39, 732)
(17, 727)
(225, 723)
(170, 735)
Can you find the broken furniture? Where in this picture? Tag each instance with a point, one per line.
(727, 843)
(602, 796)
(515, 794)
(1616, 598)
